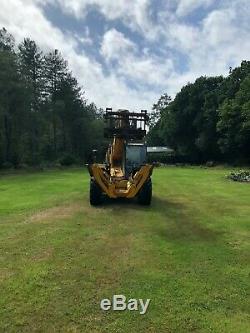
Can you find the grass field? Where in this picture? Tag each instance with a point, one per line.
(188, 252)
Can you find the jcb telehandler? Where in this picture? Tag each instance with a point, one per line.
(125, 172)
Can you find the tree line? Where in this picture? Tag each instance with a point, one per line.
(208, 120)
(44, 117)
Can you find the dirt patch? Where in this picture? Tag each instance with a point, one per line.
(55, 213)
(5, 274)
(43, 255)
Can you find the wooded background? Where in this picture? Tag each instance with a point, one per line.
(45, 118)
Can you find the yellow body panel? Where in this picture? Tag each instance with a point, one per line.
(116, 187)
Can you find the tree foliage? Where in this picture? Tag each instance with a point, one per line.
(208, 119)
(44, 116)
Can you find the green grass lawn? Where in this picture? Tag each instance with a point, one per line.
(188, 252)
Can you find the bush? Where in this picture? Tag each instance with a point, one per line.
(210, 164)
(67, 160)
(7, 165)
(22, 166)
(240, 176)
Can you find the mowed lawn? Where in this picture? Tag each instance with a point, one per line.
(189, 253)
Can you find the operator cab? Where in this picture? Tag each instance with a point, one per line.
(136, 156)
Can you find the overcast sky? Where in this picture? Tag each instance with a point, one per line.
(125, 54)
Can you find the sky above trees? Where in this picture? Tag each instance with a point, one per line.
(125, 54)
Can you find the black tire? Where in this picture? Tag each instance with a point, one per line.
(95, 193)
(145, 193)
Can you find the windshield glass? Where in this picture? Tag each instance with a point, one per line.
(135, 154)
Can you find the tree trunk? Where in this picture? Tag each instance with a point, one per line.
(7, 128)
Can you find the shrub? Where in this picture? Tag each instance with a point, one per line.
(67, 160)
(7, 165)
(240, 176)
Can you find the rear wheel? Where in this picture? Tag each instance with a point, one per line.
(95, 193)
(145, 193)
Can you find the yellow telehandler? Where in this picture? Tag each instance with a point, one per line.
(125, 172)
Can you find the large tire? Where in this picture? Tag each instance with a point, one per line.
(95, 193)
(145, 193)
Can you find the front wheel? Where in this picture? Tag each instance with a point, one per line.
(145, 193)
(95, 193)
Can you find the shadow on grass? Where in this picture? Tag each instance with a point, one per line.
(173, 221)
(123, 203)
(157, 204)
(182, 223)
